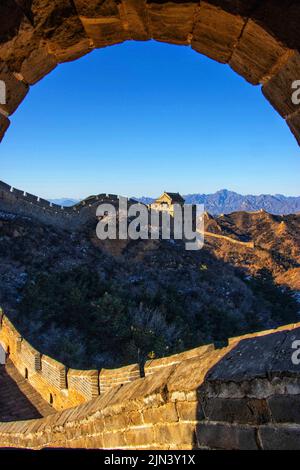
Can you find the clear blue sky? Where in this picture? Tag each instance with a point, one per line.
(140, 118)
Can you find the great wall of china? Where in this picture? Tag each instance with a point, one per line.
(28, 205)
(25, 204)
(243, 396)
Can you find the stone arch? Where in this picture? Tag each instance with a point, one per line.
(259, 39)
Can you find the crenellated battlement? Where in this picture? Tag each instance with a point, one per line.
(243, 396)
(28, 205)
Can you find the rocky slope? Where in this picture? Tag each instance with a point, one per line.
(276, 239)
(99, 305)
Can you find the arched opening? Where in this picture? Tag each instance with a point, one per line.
(51, 399)
(233, 36)
(26, 373)
(105, 131)
(245, 35)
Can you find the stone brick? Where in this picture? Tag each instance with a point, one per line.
(284, 25)
(280, 437)
(221, 436)
(114, 440)
(103, 21)
(135, 418)
(37, 65)
(285, 408)
(261, 357)
(137, 19)
(256, 54)
(176, 433)
(117, 422)
(97, 8)
(173, 21)
(16, 90)
(162, 414)
(278, 90)
(242, 411)
(140, 436)
(4, 125)
(189, 411)
(216, 32)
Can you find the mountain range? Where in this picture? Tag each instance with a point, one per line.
(226, 202)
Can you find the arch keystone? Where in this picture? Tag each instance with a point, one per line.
(172, 21)
(104, 22)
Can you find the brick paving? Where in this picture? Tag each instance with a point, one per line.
(18, 399)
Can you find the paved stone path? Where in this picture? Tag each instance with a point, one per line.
(18, 399)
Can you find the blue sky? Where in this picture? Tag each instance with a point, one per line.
(141, 118)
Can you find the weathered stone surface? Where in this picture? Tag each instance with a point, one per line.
(283, 24)
(57, 22)
(114, 440)
(280, 438)
(191, 373)
(102, 21)
(216, 32)
(15, 90)
(278, 90)
(294, 124)
(11, 17)
(237, 7)
(4, 125)
(261, 357)
(37, 65)
(189, 411)
(285, 408)
(172, 21)
(163, 414)
(256, 54)
(221, 436)
(140, 436)
(180, 434)
(243, 411)
(137, 19)
(52, 22)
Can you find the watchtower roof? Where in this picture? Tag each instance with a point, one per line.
(175, 198)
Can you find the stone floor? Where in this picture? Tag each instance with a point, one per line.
(18, 399)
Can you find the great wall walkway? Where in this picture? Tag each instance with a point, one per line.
(243, 396)
(18, 399)
(250, 244)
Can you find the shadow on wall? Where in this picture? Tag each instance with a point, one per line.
(251, 398)
(14, 404)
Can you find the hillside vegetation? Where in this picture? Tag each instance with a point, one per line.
(88, 308)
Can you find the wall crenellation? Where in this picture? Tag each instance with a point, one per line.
(25, 204)
(70, 387)
(245, 396)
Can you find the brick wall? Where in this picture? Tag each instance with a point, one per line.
(243, 396)
(27, 205)
(226, 400)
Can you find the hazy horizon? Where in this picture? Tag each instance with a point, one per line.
(184, 194)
